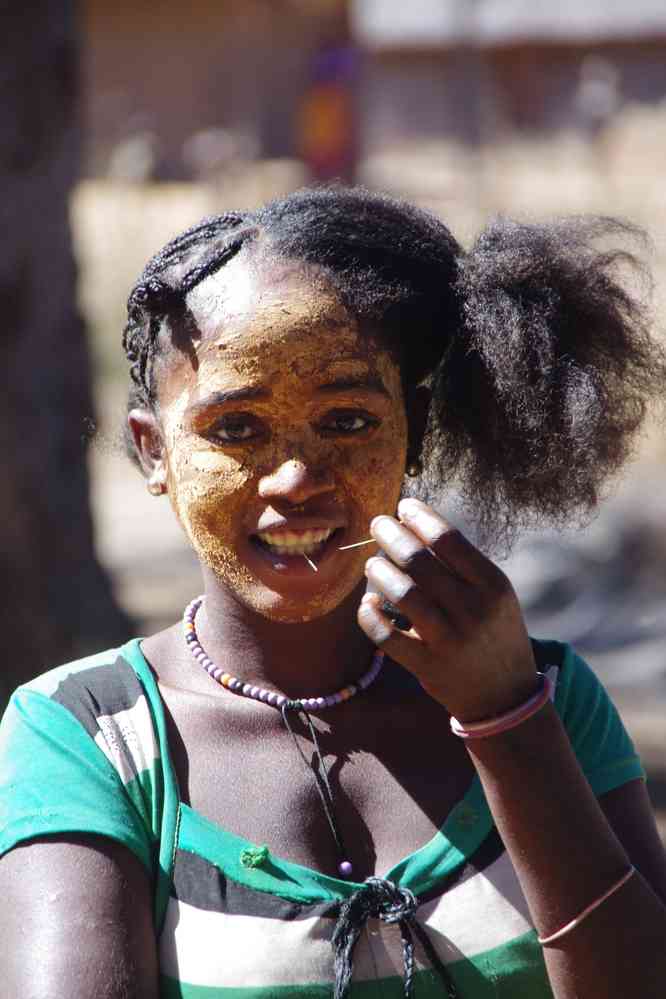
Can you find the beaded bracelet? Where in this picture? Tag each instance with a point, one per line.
(586, 912)
(508, 720)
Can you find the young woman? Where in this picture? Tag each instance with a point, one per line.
(454, 810)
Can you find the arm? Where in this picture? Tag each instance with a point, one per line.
(567, 851)
(76, 921)
(469, 648)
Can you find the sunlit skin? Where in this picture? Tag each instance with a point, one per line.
(258, 429)
(291, 420)
(286, 416)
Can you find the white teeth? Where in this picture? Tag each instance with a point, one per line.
(289, 543)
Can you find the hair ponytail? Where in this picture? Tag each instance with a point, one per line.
(543, 387)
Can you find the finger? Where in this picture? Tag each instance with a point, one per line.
(408, 551)
(427, 618)
(447, 543)
(404, 647)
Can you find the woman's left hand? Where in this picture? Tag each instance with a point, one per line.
(468, 645)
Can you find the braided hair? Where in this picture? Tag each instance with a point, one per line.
(160, 293)
(538, 356)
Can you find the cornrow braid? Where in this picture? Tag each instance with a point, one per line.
(165, 282)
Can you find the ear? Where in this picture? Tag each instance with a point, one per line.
(149, 446)
(417, 406)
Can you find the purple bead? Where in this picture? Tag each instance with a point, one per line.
(236, 685)
(321, 702)
(281, 699)
(217, 672)
(272, 699)
(345, 869)
(255, 692)
(246, 688)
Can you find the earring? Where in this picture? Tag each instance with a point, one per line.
(414, 468)
(155, 488)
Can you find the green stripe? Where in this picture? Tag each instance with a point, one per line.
(52, 752)
(465, 829)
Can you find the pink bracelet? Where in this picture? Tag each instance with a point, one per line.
(586, 912)
(502, 723)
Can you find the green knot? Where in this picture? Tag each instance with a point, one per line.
(254, 856)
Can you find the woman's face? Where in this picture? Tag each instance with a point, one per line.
(285, 433)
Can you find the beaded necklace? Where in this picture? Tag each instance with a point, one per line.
(377, 897)
(285, 705)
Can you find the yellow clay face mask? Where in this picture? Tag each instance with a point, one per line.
(284, 439)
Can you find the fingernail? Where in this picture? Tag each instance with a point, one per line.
(394, 586)
(388, 527)
(409, 507)
(378, 519)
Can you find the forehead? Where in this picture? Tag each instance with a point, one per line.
(258, 316)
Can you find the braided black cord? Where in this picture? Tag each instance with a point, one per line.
(434, 958)
(381, 899)
(407, 955)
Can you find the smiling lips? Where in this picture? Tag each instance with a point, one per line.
(295, 542)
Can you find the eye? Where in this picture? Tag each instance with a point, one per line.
(235, 429)
(348, 422)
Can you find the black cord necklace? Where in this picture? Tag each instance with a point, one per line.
(376, 898)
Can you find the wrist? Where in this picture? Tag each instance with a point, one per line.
(506, 720)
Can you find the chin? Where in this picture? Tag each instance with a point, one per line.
(287, 608)
(290, 610)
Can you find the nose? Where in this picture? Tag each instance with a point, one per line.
(295, 482)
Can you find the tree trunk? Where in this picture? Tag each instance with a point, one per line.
(57, 602)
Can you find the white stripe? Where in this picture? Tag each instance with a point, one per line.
(127, 739)
(217, 949)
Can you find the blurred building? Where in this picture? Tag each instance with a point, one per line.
(175, 90)
(473, 69)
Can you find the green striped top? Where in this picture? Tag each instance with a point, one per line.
(83, 749)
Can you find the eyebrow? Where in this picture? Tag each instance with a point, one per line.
(248, 392)
(215, 399)
(366, 384)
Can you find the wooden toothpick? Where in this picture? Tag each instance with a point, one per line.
(357, 544)
(311, 563)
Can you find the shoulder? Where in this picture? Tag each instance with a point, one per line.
(115, 661)
(91, 688)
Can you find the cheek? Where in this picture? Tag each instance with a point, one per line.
(374, 474)
(208, 489)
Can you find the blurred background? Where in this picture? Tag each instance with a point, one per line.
(123, 123)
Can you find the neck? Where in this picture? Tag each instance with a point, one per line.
(311, 658)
